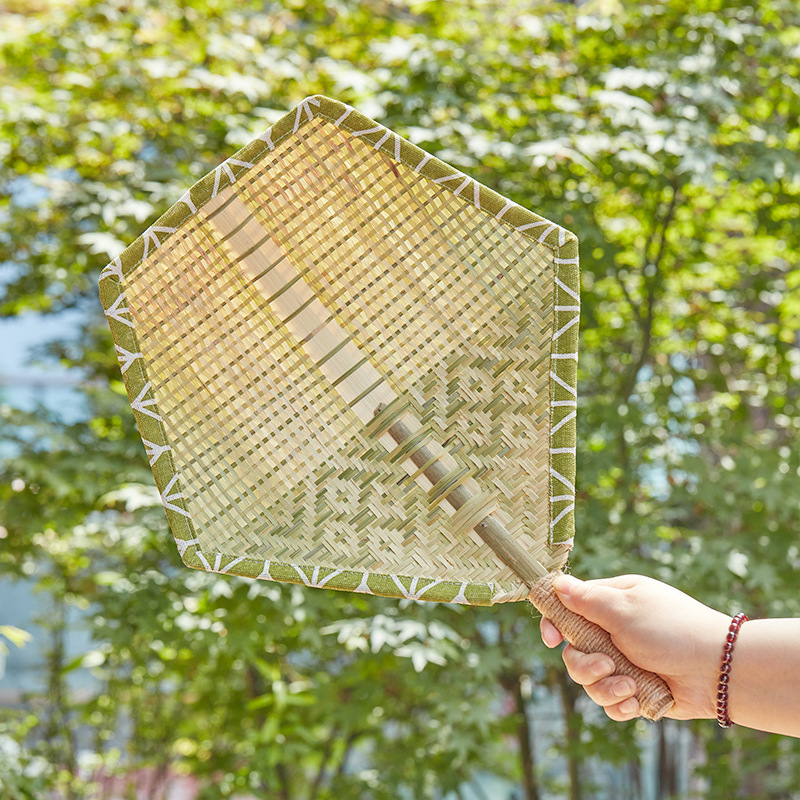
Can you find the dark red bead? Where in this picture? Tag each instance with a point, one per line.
(725, 669)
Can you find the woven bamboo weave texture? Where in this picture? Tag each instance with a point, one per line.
(451, 308)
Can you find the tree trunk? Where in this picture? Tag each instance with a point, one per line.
(569, 694)
(525, 739)
(59, 733)
(667, 764)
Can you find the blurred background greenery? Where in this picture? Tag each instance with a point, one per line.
(665, 134)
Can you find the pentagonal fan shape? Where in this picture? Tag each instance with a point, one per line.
(327, 286)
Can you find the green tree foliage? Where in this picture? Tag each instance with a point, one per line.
(665, 134)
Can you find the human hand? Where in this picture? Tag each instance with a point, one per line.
(658, 628)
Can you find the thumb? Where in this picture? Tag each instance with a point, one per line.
(600, 601)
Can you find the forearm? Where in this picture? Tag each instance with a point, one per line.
(764, 691)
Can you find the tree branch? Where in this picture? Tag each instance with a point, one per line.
(652, 283)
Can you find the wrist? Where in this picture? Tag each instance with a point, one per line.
(710, 643)
(763, 689)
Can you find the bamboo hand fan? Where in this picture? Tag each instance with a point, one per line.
(354, 367)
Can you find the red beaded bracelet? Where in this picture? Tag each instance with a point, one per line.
(725, 670)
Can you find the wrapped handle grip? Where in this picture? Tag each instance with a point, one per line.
(653, 694)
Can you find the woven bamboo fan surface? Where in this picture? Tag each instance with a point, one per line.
(322, 289)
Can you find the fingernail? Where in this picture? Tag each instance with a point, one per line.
(565, 584)
(630, 706)
(622, 689)
(602, 668)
